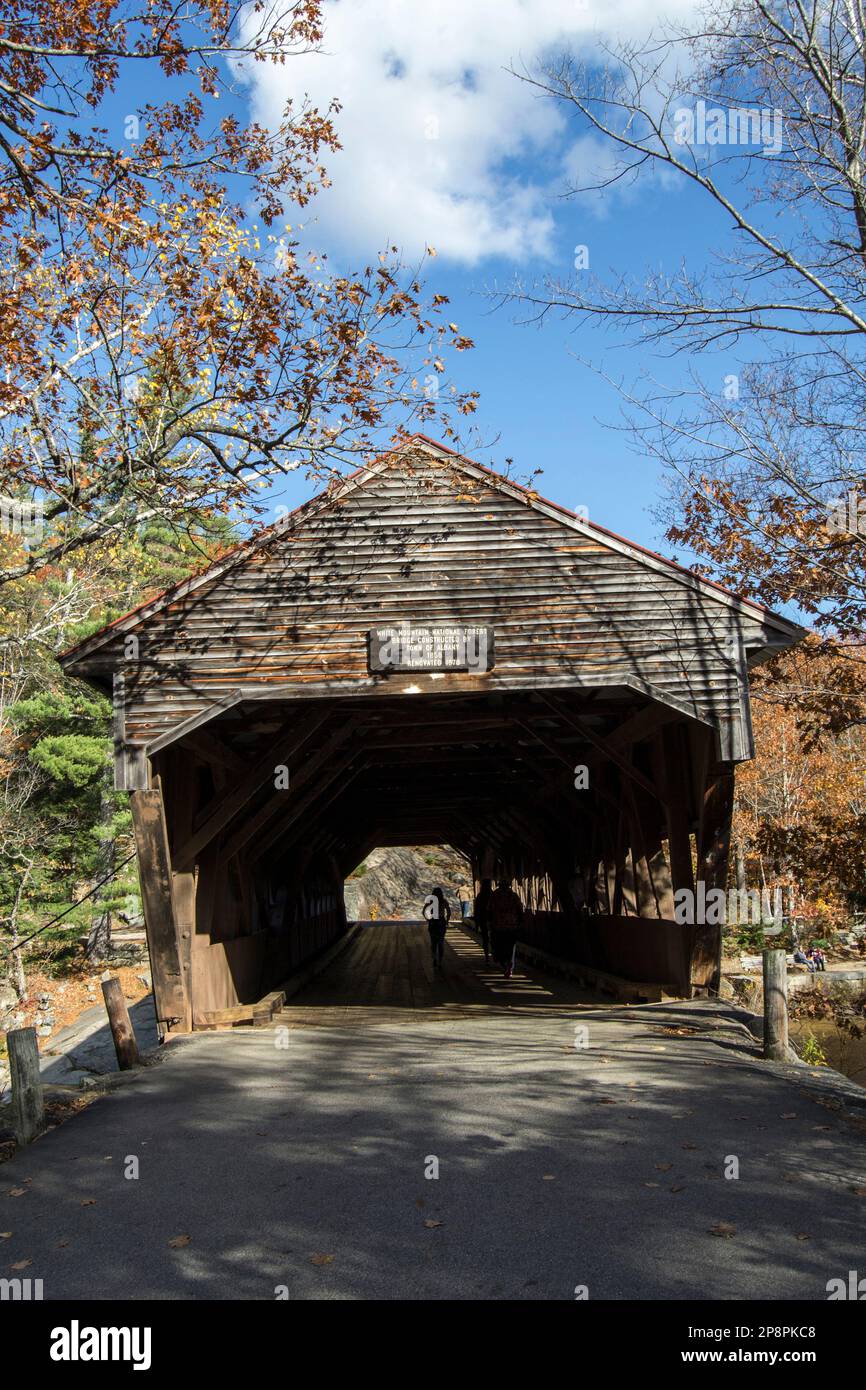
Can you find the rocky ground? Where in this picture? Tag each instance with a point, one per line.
(70, 1020)
(393, 883)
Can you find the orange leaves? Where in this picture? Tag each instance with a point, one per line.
(142, 310)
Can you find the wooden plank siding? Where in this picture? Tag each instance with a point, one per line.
(605, 655)
(297, 611)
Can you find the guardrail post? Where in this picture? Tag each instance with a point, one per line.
(775, 1005)
(28, 1108)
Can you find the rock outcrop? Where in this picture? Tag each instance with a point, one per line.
(393, 883)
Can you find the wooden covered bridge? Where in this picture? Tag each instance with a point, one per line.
(428, 653)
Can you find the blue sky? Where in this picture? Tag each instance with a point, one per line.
(444, 146)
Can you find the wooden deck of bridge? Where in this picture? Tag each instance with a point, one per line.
(385, 975)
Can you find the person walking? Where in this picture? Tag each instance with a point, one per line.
(482, 915)
(506, 915)
(438, 915)
(464, 897)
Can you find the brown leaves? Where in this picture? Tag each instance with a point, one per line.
(724, 1229)
(322, 1259)
(178, 1242)
(183, 341)
(431, 1223)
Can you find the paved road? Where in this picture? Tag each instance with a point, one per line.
(296, 1157)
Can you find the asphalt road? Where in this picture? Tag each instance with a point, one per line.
(296, 1160)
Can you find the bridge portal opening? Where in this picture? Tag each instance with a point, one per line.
(258, 820)
(428, 653)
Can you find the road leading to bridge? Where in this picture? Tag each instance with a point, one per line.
(477, 1154)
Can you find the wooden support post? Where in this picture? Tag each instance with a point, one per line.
(120, 1024)
(28, 1110)
(715, 832)
(775, 1005)
(714, 841)
(671, 767)
(154, 869)
(638, 819)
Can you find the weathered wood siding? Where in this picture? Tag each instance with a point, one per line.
(413, 544)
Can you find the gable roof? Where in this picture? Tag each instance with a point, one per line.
(333, 496)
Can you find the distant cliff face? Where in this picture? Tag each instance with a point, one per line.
(394, 882)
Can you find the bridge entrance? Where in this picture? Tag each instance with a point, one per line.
(428, 654)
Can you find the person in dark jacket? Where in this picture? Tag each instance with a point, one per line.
(438, 914)
(505, 914)
(482, 915)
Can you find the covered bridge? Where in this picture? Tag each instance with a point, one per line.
(428, 653)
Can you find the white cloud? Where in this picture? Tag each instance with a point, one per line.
(442, 146)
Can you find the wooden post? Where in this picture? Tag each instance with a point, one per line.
(160, 917)
(28, 1110)
(120, 1023)
(714, 839)
(775, 1005)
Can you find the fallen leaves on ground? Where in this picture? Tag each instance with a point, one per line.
(21, 1264)
(723, 1229)
(431, 1223)
(177, 1242)
(322, 1259)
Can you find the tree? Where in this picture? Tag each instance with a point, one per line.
(800, 813)
(63, 828)
(199, 347)
(759, 108)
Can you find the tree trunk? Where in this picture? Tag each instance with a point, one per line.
(16, 956)
(16, 972)
(740, 868)
(99, 939)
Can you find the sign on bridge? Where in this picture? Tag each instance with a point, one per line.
(409, 648)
